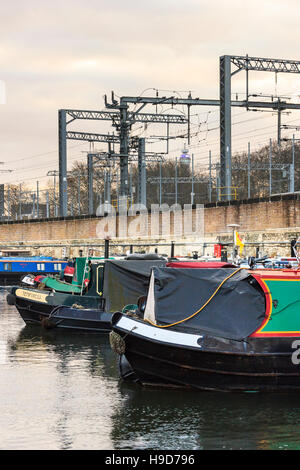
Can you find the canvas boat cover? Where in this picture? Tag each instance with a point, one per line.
(235, 312)
(144, 256)
(126, 280)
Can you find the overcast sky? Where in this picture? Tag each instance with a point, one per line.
(68, 54)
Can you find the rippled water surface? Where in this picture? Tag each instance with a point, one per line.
(61, 390)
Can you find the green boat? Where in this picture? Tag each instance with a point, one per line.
(81, 279)
(99, 286)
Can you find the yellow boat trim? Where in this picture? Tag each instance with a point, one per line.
(31, 295)
(270, 307)
(97, 285)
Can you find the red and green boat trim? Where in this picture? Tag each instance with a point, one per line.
(282, 294)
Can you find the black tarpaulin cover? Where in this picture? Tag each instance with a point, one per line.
(125, 281)
(235, 312)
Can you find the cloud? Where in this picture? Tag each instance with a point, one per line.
(68, 54)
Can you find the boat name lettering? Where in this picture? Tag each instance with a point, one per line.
(31, 295)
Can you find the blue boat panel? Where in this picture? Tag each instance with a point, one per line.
(31, 265)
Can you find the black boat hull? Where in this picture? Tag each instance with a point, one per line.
(35, 311)
(83, 320)
(206, 363)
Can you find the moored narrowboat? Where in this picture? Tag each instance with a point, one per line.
(214, 329)
(13, 268)
(98, 287)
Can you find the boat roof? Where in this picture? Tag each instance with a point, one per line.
(276, 273)
(199, 264)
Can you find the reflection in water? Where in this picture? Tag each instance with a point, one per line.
(65, 347)
(61, 390)
(173, 419)
(56, 388)
(77, 358)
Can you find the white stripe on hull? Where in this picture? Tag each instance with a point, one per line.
(159, 334)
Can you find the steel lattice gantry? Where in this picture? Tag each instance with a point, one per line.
(225, 124)
(265, 65)
(127, 119)
(248, 64)
(92, 137)
(86, 136)
(239, 63)
(122, 120)
(132, 117)
(105, 159)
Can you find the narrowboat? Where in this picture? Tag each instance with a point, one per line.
(99, 286)
(13, 268)
(213, 329)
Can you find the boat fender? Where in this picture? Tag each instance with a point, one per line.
(79, 307)
(41, 286)
(47, 324)
(11, 299)
(86, 282)
(117, 343)
(126, 371)
(141, 305)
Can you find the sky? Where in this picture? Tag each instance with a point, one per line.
(56, 55)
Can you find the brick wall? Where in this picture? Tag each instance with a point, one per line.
(252, 215)
(275, 212)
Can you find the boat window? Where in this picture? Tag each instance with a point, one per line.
(41, 267)
(7, 266)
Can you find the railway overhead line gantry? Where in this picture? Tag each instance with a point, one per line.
(122, 118)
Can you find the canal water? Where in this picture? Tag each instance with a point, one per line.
(61, 390)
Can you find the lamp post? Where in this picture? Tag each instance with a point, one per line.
(234, 227)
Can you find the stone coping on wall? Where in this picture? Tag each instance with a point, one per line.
(274, 198)
(261, 236)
